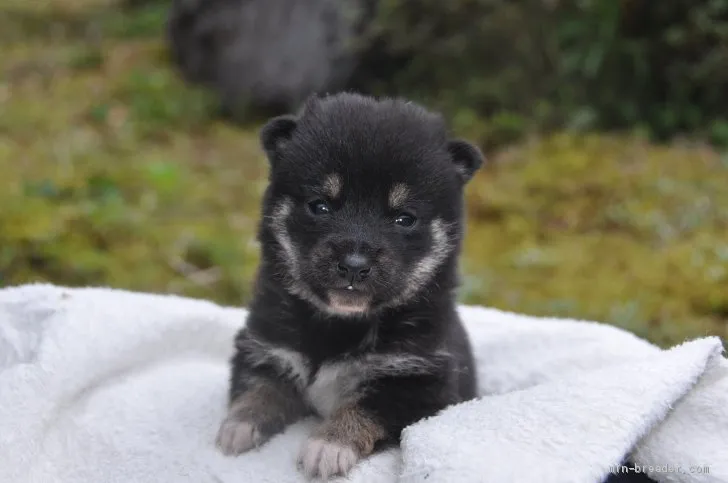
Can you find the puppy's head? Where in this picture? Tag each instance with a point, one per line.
(364, 205)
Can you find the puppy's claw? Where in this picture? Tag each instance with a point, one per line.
(324, 459)
(236, 437)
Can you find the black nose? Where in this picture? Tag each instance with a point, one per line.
(354, 266)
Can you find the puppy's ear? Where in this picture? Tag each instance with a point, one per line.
(467, 158)
(276, 133)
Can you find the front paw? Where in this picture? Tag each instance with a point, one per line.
(236, 436)
(324, 459)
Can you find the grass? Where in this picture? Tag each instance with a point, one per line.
(605, 228)
(116, 173)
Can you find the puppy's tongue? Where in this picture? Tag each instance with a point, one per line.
(348, 300)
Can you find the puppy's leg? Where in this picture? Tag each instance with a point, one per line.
(387, 406)
(342, 440)
(264, 408)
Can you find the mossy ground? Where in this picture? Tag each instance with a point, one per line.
(604, 228)
(113, 172)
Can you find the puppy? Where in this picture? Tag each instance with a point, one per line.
(268, 55)
(354, 316)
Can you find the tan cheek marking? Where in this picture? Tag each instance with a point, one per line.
(398, 195)
(278, 225)
(332, 185)
(426, 267)
(350, 426)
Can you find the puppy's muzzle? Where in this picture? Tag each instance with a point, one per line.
(354, 267)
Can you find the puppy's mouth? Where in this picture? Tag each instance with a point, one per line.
(348, 300)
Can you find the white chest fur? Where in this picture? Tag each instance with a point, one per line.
(336, 383)
(332, 385)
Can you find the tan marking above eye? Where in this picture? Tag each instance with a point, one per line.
(332, 185)
(398, 195)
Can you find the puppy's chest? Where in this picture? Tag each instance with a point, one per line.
(327, 386)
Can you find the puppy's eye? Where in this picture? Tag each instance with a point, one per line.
(406, 220)
(319, 207)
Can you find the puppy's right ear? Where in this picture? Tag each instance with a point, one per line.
(467, 158)
(276, 133)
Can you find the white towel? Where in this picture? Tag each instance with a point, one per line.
(100, 385)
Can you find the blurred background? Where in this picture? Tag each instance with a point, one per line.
(129, 154)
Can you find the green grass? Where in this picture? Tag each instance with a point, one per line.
(605, 228)
(113, 172)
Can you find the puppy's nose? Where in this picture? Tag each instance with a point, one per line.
(355, 267)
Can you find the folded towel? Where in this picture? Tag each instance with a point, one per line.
(100, 385)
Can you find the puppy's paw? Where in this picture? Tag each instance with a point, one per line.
(324, 459)
(236, 436)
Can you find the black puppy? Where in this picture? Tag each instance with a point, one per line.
(354, 313)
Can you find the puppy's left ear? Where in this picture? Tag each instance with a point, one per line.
(276, 133)
(467, 158)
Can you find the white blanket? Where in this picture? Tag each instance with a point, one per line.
(101, 386)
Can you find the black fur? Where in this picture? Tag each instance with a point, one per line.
(266, 55)
(372, 145)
